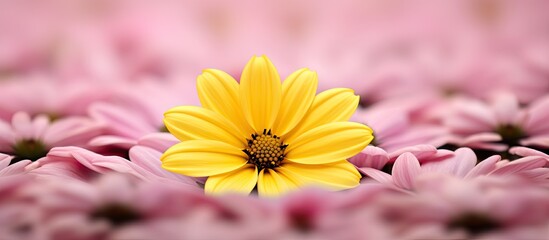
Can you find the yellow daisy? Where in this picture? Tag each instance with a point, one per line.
(261, 132)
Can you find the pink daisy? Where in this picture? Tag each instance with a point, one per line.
(129, 121)
(393, 126)
(407, 169)
(75, 163)
(444, 207)
(41, 94)
(377, 158)
(500, 124)
(28, 138)
(94, 209)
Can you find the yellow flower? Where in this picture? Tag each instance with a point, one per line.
(276, 136)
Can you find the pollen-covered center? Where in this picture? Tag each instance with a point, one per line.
(265, 150)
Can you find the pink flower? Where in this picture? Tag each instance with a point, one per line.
(377, 158)
(42, 94)
(149, 159)
(91, 210)
(75, 163)
(445, 207)
(227, 217)
(524, 151)
(500, 124)
(407, 169)
(32, 138)
(394, 128)
(129, 121)
(318, 214)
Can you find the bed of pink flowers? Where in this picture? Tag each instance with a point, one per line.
(456, 92)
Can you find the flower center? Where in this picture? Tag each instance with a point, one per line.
(474, 223)
(30, 149)
(116, 213)
(265, 150)
(510, 134)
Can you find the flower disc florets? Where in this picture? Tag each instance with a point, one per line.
(265, 150)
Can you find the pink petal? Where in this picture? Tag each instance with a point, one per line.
(40, 124)
(420, 151)
(16, 168)
(519, 165)
(107, 140)
(462, 162)
(524, 151)
(537, 116)
(21, 123)
(484, 167)
(121, 121)
(72, 131)
(506, 107)
(370, 157)
(405, 170)
(5, 160)
(540, 140)
(471, 116)
(481, 137)
(7, 137)
(158, 141)
(377, 175)
(416, 135)
(147, 158)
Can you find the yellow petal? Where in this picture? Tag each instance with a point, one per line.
(260, 93)
(242, 180)
(329, 143)
(218, 91)
(272, 184)
(202, 158)
(191, 123)
(334, 105)
(298, 92)
(335, 176)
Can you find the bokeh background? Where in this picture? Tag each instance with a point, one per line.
(456, 92)
(380, 48)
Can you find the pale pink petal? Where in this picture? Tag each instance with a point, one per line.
(22, 125)
(539, 140)
(121, 121)
(16, 168)
(377, 175)
(440, 155)
(537, 115)
(506, 107)
(519, 165)
(75, 131)
(159, 141)
(481, 137)
(541, 174)
(5, 160)
(79, 163)
(107, 140)
(370, 157)
(7, 137)
(462, 162)
(405, 170)
(420, 151)
(384, 122)
(484, 167)
(524, 151)
(40, 124)
(471, 116)
(424, 134)
(149, 159)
